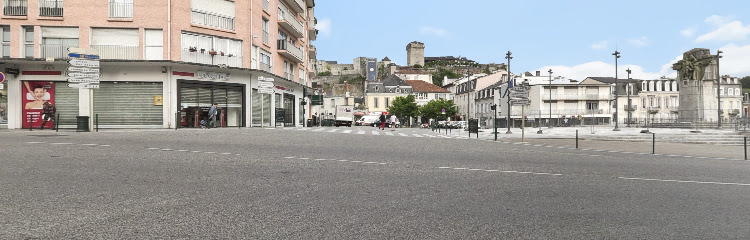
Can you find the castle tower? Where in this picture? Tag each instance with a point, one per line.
(415, 54)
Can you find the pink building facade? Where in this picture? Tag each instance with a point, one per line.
(161, 63)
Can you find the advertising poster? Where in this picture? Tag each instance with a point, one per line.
(35, 94)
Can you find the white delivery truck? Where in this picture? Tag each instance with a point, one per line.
(344, 115)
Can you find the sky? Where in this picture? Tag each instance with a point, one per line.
(573, 38)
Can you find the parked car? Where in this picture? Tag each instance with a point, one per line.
(387, 123)
(367, 120)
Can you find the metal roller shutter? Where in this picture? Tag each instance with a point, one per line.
(66, 103)
(122, 104)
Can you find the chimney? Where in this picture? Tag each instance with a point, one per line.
(538, 73)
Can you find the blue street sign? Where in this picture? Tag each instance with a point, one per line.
(87, 56)
(2, 77)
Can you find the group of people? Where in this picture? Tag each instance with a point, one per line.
(393, 121)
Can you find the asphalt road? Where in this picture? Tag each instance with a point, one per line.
(291, 184)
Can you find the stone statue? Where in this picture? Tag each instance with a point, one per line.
(692, 68)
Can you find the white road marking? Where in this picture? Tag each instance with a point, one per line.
(320, 159)
(417, 135)
(444, 167)
(685, 181)
(370, 162)
(614, 151)
(288, 157)
(226, 153)
(167, 149)
(356, 161)
(403, 135)
(90, 144)
(375, 133)
(460, 168)
(34, 142)
(195, 151)
(360, 132)
(343, 160)
(182, 150)
(333, 130)
(347, 131)
(61, 143)
(491, 170)
(389, 134)
(304, 158)
(105, 145)
(209, 152)
(476, 169)
(153, 148)
(319, 130)
(382, 163)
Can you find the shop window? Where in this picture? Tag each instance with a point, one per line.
(28, 36)
(5, 41)
(154, 49)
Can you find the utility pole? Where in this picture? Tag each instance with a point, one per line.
(617, 55)
(718, 85)
(507, 122)
(628, 89)
(550, 98)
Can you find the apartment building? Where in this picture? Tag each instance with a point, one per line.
(379, 95)
(162, 63)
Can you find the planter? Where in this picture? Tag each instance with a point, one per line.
(222, 53)
(212, 53)
(203, 50)
(193, 50)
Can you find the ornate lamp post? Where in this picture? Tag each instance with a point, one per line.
(617, 55)
(507, 56)
(628, 89)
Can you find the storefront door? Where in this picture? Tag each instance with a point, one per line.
(196, 97)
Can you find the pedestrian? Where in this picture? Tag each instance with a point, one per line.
(394, 119)
(382, 121)
(48, 114)
(212, 114)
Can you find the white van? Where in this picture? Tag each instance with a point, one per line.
(367, 120)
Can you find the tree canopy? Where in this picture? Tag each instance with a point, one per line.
(434, 109)
(745, 82)
(437, 78)
(404, 107)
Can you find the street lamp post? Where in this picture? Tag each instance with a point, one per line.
(550, 98)
(628, 89)
(507, 122)
(617, 55)
(718, 86)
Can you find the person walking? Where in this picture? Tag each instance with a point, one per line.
(382, 121)
(48, 114)
(212, 114)
(394, 119)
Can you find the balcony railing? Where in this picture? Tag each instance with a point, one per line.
(120, 9)
(288, 50)
(574, 97)
(117, 51)
(57, 51)
(266, 5)
(297, 5)
(211, 19)
(312, 51)
(289, 21)
(206, 58)
(265, 67)
(51, 8)
(15, 7)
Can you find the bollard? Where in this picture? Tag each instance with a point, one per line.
(57, 123)
(745, 148)
(96, 117)
(576, 139)
(177, 120)
(653, 143)
(31, 125)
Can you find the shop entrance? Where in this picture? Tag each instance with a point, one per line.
(196, 97)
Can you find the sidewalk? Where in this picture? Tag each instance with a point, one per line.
(627, 140)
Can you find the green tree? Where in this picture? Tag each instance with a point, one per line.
(745, 82)
(434, 109)
(437, 78)
(487, 71)
(417, 66)
(404, 107)
(323, 74)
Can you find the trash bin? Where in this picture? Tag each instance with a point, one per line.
(82, 123)
(309, 122)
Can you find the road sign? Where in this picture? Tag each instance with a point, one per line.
(519, 95)
(265, 85)
(83, 85)
(87, 56)
(83, 70)
(83, 80)
(261, 78)
(2, 77)
(263, 90)
(519, 89)
(520, 102)
(84, 63)
(83, 75)
(443, 111)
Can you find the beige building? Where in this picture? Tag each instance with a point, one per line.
(189, 53)
(379, 95)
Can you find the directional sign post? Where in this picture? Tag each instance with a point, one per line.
(520, 101)
(266, 85)
(84, 85)
(83, 71)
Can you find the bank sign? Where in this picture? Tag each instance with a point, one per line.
(212, 75)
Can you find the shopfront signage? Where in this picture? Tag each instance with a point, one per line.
(212, 75)
(84, 63)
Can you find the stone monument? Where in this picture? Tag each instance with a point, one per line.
(696, 77)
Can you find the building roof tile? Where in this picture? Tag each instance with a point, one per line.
(422, 86)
